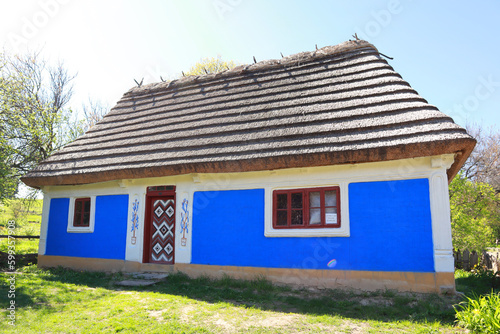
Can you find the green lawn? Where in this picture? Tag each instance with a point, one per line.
(27, 217)
(26, 214)
(23, 246)
(66, 301)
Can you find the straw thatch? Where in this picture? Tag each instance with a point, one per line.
(337, 105)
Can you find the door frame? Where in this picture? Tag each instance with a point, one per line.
(155, 191)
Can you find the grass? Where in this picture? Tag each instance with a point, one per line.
(20, 210)
(23, 246)
(27, 217)
(480, 313)
(66, 301)
(479, 282)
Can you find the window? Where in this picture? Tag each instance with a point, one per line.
(82, 212)
(306, 208)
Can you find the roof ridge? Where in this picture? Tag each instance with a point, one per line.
(294, 59)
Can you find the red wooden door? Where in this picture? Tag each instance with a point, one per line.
(161, 229)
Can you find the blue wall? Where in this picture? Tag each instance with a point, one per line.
(390, 225)
(110, 230)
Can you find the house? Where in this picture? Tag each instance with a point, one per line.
(323, 168)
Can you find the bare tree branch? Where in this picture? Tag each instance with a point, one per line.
(483, 164)
(33, 109)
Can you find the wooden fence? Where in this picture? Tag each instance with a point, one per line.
(20, 236)
(468, 260)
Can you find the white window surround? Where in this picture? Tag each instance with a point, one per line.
(71, 213)
(342, 231)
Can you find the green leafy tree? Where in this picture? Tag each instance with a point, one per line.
(8, 183)
(33, 114)
(210, 65)
(473, 217)
(475, 194)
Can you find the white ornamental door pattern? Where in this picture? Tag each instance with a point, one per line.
(162, 231)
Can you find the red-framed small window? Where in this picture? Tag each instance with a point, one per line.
(306, 208)
(82, 212)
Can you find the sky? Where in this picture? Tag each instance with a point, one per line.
(447, 50)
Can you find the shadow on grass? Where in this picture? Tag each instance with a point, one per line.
(21, 260)
(385, 306)
(11, 291)
(10, 288)
(477, 283)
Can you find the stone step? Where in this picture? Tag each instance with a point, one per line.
(142, 278)
(148, 275)
(136, 282)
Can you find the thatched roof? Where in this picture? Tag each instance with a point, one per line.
(337, 105)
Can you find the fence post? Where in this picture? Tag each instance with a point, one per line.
(459, 263)
(495, 260)
(466, 260)
(473, 259)
(486, 260)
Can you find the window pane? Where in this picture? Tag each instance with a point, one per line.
(331, 198)
(297, 217)
(297, 200)
(282, 218)
(314, 216)
(86, 218)
(330, 210)
(314, 199)
(87, 206)
(78, 209)
(331, 215)
(282, 201)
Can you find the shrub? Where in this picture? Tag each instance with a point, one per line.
(480, 314)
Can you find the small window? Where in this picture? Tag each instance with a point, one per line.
(82, 212)
(306, 208)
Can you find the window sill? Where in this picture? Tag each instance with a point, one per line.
(307, 232)
(86, 229)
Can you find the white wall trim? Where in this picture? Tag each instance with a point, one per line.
(441, 222)
(71, 212)
(133, 252)
(42, 244)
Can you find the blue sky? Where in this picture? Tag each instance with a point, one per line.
(447, 50)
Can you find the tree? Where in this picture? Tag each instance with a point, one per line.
(483, 165)
(473, 217)
(33, 114)
(210, 65)
(8, 183)
(93, 112)
(475, 194)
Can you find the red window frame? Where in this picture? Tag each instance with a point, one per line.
(293, 210)
(81, 216)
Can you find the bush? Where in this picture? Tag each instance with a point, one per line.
(480, 314)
